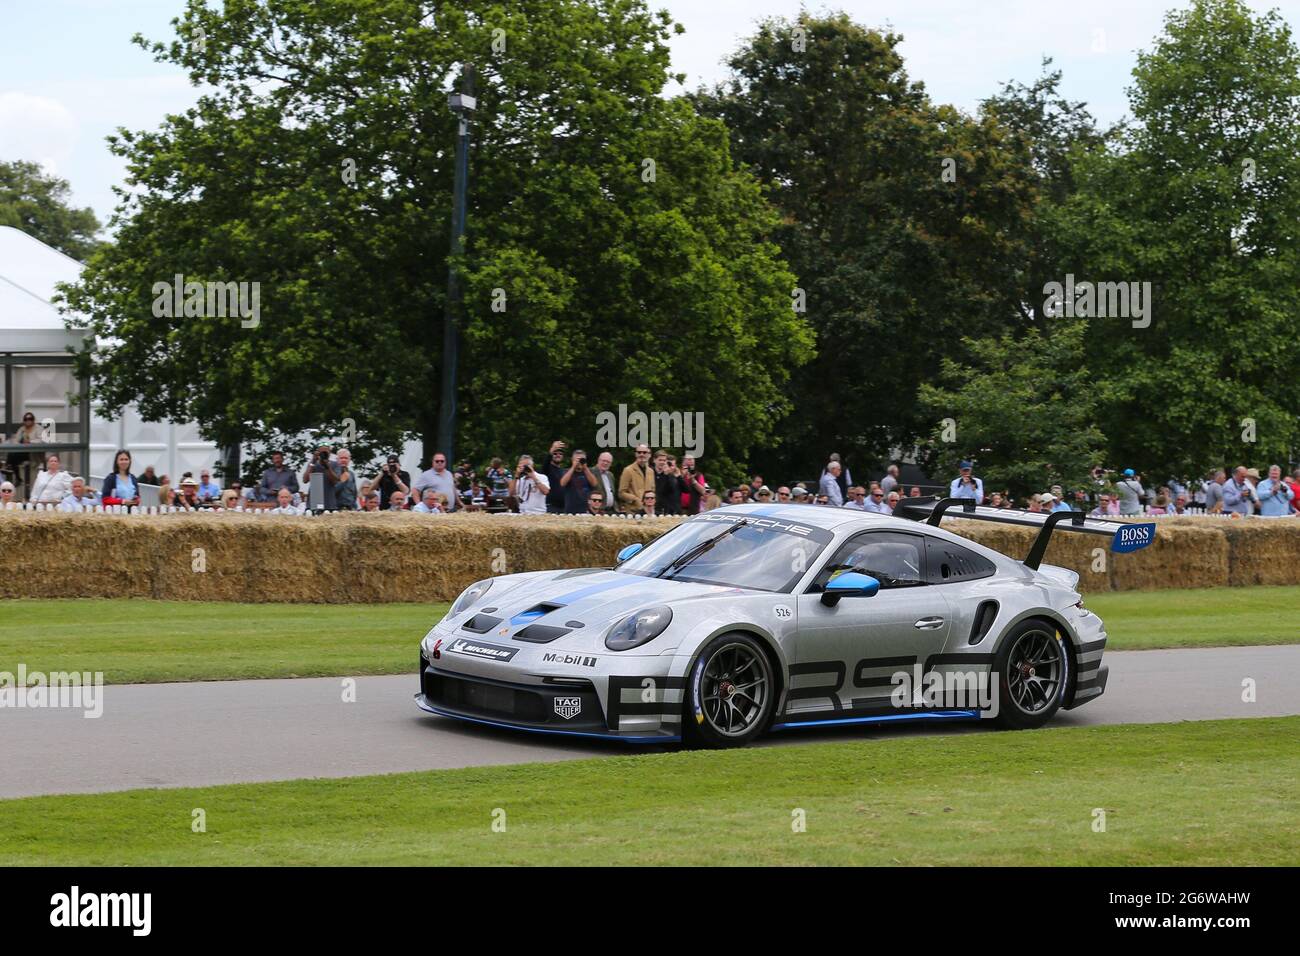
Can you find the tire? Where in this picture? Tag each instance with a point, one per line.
(1034, 671)
(730, 693)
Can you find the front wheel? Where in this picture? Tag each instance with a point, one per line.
(730, 695)
(1033, 671)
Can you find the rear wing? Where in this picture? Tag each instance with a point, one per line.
(1124, 536)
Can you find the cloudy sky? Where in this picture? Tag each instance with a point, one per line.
(69, 75)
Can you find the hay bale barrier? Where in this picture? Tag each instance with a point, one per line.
(329, 559)
(380, 558)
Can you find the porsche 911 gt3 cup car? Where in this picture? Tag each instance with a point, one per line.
(756, 618)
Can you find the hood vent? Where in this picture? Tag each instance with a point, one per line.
(540, 633)
(481, 623)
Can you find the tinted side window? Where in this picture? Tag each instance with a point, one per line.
(951, 562)
(896, 560)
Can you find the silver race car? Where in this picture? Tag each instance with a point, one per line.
(755, 618)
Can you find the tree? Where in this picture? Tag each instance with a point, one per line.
(1025, 409)
(40, 205)
(907, 223)
(613, 255)
(1200, 197)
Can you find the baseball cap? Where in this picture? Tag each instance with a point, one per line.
(1128, 472)
(764, 488)
(1046, 497)
(964, 465)
(392, 459)
(799, 492)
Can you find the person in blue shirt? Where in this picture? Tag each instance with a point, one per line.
(208, 489)
(1275, 495)
(121, 483)
(966, 485)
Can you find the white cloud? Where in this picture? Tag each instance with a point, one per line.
(37, 128)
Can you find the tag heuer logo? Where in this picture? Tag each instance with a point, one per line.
(568, 707)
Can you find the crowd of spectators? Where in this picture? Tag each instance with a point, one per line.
(653, 484)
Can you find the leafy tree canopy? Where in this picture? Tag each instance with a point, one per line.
(614, 255)
(40, 205)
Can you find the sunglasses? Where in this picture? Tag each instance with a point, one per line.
(876, 494)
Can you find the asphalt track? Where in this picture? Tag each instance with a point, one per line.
(196, 734)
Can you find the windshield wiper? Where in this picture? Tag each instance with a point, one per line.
(700, 548)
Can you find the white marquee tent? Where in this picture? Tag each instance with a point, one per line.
(38, 377)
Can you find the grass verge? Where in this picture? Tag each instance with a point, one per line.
(147, 641)
(1207, 793)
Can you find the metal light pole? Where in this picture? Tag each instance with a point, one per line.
(462, 104)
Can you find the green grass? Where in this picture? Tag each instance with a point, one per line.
(143, 641)
(139, 641)
(1218, 617)
(1208, 793)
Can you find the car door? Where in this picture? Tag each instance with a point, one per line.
(846, 655)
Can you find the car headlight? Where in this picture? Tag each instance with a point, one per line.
(638, 628)
(470, 596)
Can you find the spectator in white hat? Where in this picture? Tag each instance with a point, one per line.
(7, 502)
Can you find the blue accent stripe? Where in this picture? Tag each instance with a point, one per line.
(575, 596)
(934, 715)
(429, 708)
(524, 616)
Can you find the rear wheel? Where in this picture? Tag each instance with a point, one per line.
(1033, 670)
(730, 693)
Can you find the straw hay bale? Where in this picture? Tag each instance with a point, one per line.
(368, 558)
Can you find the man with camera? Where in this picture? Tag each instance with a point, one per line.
(966, 485)
(1130, 492)
(668, 485)
(391, 478)
(577, 482)
(1238, 493)
(529, 487)
(320, 463)
(1275, 495)
(553, 470)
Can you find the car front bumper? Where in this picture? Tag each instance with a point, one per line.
(568, 707)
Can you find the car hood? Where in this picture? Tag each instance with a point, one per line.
(592, 599)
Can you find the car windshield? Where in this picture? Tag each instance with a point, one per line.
(765, 554)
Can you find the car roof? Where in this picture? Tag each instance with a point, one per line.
(819, 516)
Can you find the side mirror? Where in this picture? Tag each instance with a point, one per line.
(630, 551)
(849, 584)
